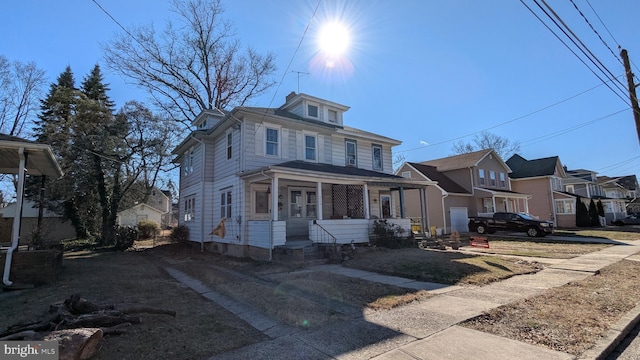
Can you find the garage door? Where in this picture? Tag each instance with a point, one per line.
(459, 219)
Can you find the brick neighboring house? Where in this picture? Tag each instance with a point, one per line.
(471, 184)
(543, 179)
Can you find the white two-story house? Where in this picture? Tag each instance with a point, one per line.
(254, 178)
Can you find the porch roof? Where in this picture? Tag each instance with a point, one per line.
(310, 171)
(41, 160)
(504, 193)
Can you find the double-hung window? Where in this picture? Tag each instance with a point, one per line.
(225, 203)
(272, 141)
(492, 178)
(377, 157)
(351, 152)
(503, 180)
(481, 178)
(188, 161)
(189, 208)
(333, 116)
(310, 148)
(229, 145)
(312, 111)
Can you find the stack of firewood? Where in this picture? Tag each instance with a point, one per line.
(78, 325)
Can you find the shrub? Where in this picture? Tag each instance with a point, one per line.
(147, 228)
(124, 237)
(389, 235)
(180, 235)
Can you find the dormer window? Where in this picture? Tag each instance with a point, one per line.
(312, 111)
(333, 116)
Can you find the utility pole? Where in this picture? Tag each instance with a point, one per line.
(632, 90)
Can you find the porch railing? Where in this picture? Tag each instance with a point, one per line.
(322, 235)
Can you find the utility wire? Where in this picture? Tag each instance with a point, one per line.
(506, 122)
(595, 31)
(582, 49)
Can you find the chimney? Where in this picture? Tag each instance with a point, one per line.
(290, 96)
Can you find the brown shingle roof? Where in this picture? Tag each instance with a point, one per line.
(458, 161)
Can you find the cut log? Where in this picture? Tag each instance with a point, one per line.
(76, 344)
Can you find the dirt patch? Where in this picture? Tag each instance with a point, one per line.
(131, 280)
(570, 318)
(440, 266)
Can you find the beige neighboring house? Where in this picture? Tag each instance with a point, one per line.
(54, 228)
(471, 184)
(157, 208)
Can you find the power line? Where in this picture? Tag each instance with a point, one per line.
(573, 38)
(595, 31)
(506, 122)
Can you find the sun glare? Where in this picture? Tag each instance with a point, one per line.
(334, 39)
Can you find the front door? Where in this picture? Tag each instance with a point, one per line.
(385, 206)
(302, 209)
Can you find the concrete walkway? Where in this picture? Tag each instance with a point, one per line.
(425, 329)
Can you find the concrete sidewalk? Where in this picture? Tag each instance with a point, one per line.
(426, 329)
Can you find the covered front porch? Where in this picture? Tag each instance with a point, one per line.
(297, 202)
(490, 201)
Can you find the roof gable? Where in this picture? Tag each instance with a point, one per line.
(466, 160)
(523, 168)
(444, 182)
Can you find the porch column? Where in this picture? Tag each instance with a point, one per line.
(493, 200)
(274, 197)
(423, 206)
(402, 202)
(526, 205)
(365, 196)
(319, 200)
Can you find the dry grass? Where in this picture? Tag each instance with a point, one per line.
(613, 233)
(440, 267)
(570, 318)
(538, 248)
(128, 280)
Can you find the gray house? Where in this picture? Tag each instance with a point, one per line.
(256, 178)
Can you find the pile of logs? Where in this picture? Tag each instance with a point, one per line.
(78, 325)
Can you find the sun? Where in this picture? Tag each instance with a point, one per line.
(334, 39)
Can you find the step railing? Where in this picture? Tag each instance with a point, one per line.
(322, 235)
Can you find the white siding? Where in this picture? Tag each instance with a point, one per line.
(345, 231)
(259, 233)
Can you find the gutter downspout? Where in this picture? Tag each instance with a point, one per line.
(202, 192)
(17, 218)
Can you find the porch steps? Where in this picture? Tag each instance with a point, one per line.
(299, 253)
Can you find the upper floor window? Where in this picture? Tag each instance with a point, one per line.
(556, 184)
(406, 174)
(570, 188)
(492, 178)
(229, 145)
(312, 111)
(187, 166)
(503, 180)
(351, 152)
(310, 147)
(272, 141)
(481, 178)
(333, 116)
(377, 157)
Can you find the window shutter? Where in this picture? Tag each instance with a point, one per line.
(259, 139)
(300, 145)
(321, 148)
(285, 144)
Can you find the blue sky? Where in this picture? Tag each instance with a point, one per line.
(420, 71)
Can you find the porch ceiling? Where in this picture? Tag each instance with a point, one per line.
(40, 158)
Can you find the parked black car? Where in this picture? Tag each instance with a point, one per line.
(510, 222)
(628, 220)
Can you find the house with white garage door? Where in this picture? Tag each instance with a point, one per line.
(471, 184)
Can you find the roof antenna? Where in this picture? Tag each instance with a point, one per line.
(299, 72)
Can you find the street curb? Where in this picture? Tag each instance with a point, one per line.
(613, 336)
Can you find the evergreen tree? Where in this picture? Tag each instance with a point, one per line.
(593, 214)
(582, 214)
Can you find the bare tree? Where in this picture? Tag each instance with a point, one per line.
(20, 88)
(486, 140)
(193, 65)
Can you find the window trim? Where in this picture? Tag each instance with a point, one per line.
(189, 159)
(564, 207)
(373, 157)
(492, 178)
(346, 152)
(278, 141)
(315, 149)
(503, 180)
(335, 121)
(481, 177)
(229, 144)
(226, 203)
(189, 208)
(317, 106)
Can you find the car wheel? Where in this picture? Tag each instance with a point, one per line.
(533, 231)
(480, 229)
